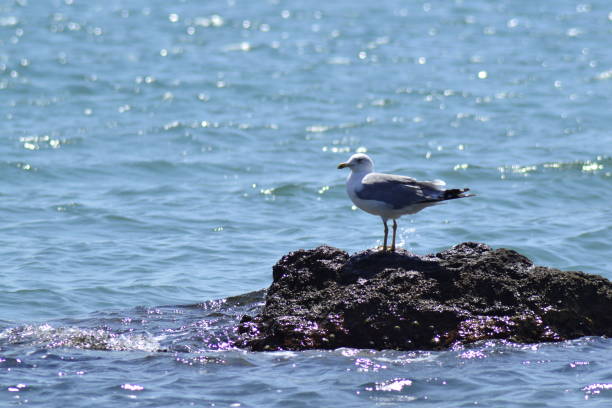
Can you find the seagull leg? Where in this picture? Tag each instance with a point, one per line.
(386, 234)
(394, 230)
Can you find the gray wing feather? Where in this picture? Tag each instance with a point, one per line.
(399, 191)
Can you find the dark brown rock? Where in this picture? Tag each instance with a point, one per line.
(324, 299)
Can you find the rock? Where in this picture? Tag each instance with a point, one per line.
(324, 299)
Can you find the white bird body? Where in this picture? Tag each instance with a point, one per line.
(390, 196)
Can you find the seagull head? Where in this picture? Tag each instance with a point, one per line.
(358, 163)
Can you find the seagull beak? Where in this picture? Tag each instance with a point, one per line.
(342, 165)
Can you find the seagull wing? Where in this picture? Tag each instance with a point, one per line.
(401, 191)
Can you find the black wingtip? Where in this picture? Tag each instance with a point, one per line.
(456, 193)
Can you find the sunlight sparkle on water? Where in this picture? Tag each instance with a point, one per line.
(595, 389)
(132, 387)
(397, 385)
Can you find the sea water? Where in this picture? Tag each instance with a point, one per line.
(157, 158)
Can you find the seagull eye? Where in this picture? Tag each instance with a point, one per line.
(359, 160)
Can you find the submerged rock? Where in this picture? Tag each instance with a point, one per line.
(324, 299)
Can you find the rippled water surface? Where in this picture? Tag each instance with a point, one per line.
(168, 153)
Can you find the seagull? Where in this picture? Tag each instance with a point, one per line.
(390, 196)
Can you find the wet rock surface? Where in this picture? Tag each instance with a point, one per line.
(324, 299)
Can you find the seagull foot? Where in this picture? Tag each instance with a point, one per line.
(384, 249)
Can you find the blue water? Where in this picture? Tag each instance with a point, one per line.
(158, 157)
